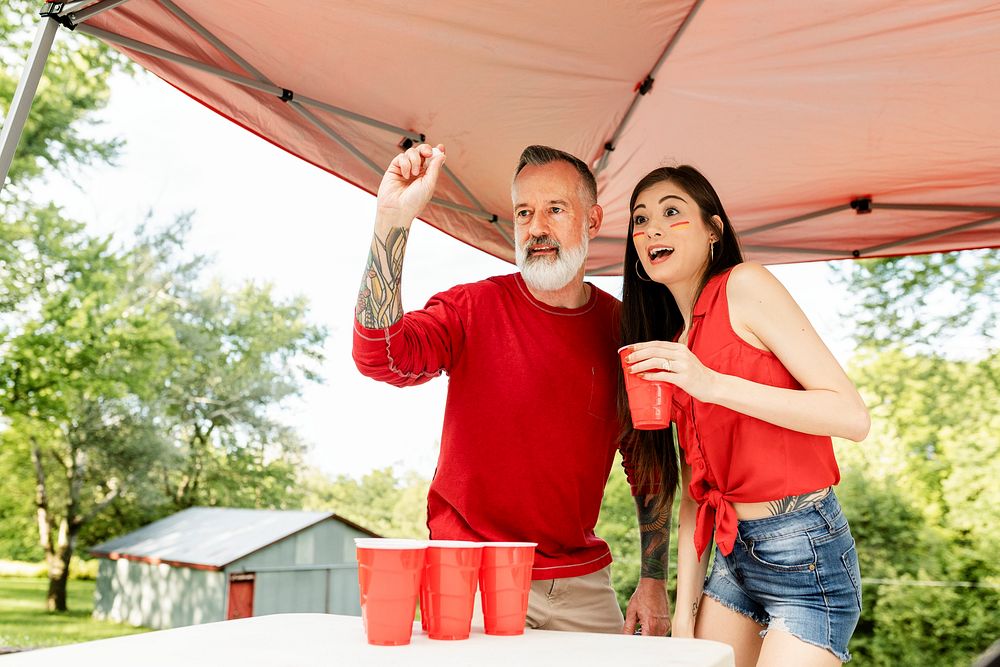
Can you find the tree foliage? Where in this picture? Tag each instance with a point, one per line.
(128, 387)
(242, 353)
(73, 86)
(618, 526)
(934, 304)
(125, 380)
(80, 352)
(384, 501)
(921, 492)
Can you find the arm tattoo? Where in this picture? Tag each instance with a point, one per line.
(792, 503)
(654, 537)
(380, 303)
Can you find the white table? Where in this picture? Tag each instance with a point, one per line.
(325, 639)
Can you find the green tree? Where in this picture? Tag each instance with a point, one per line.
(18, 526)
(126, 387)
(933, 626)
(925, 302)
(921, 492)
(387, 503)
(618, 525)
(78, 357)
(124, 380)
(73, 86)
(242, 353)
(923, 503)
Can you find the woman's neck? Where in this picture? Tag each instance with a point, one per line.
(684, 294)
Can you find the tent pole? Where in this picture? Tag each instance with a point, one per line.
(644, 87)
(846, 254)
(924, 237)
(791, 221)
(932, 208)
(296, 102)
(944, 208)
(25, 94)
(205, 34)
(306, 101)
(376, 169)
(95, 9)
(475, 202)
(344, 143)
(70, 7)
(157, 52)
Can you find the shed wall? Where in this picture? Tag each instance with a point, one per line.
(158, 595)
(330, 590)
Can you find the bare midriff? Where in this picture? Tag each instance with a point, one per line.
(749, 511)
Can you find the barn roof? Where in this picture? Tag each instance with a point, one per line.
(212, 537)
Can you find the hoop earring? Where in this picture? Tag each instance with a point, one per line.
(638, 272)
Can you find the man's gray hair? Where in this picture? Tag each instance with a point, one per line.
(541, 155)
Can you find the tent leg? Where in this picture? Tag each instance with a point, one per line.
(25, 94)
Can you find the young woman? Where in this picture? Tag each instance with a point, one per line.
(757, 396)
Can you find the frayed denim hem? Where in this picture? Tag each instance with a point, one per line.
(731, 607)
(781, 625)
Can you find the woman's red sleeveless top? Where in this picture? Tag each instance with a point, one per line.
(734, 457)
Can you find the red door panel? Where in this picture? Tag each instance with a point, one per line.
(240, 596)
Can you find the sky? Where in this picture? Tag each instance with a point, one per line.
(267, 216)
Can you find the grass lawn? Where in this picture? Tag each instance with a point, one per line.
(24, 623)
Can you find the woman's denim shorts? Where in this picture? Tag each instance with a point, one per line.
(796, 572)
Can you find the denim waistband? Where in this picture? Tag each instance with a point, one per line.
(824, 512)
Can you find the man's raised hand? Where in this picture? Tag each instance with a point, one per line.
(409, 182)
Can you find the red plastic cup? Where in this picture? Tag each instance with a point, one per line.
(649, 401)
(389, 573)
(504, 582)
(448, 591)
(423, 603)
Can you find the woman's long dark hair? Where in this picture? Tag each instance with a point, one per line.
(649, 312)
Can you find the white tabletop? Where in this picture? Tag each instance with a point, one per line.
(325, 639)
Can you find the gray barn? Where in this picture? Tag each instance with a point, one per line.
(212, 563)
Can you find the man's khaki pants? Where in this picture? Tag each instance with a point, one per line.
(577, 604)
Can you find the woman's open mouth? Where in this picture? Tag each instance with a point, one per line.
(660, 253)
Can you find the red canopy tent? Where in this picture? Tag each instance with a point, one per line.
(832, 130)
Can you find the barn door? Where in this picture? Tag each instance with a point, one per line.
(240, 596)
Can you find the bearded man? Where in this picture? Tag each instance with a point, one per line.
(530, 426)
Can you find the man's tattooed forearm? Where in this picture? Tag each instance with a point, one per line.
(379, 301)
(654, 536)
(792, 503)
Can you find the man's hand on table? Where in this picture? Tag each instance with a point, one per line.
(648, 608)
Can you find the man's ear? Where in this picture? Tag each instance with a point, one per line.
(594, 220)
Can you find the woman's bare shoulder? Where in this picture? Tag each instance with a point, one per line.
(750, 281)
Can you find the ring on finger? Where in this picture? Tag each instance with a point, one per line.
(666, 365)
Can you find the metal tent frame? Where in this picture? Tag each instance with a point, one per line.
(74, 15)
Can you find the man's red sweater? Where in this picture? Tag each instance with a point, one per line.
(530, 421)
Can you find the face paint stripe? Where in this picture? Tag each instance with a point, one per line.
(637, 234)
(682, 223)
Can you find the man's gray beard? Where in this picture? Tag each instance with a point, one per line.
(548, 275)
